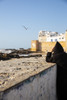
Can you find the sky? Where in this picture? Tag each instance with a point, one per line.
(36, 15)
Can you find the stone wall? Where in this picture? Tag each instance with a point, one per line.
(47, 46)
(38, 87)
(34, 45)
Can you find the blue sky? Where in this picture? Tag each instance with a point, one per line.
(49, 15)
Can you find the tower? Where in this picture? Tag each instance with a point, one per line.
(34, 45)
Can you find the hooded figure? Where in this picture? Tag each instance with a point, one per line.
(59, 57)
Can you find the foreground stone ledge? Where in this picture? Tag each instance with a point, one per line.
(15, 71)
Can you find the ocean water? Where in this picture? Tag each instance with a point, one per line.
(5, 51)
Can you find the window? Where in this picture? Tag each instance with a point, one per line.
(55, 39)
(62, 37)
(51, 40)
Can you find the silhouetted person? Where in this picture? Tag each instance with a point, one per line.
(59, 57)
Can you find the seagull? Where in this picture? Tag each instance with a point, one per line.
(26, 28)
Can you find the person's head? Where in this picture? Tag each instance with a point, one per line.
(57, 48)
(53, 56)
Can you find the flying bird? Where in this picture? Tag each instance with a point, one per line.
(26, 28)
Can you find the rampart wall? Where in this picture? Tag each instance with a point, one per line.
(47, 46)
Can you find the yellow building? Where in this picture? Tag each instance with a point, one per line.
(36, 45)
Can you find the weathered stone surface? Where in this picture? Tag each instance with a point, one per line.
(38, 87)
(16, 70)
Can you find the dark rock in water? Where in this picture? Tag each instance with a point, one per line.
(59, 57)
(4, 56)
(18, 54)
(13, 55)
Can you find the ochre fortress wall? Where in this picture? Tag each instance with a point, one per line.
(47, 46)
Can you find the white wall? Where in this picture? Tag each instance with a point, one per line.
(54, 38)
(47, 36)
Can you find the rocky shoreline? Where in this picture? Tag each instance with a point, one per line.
(9, 54)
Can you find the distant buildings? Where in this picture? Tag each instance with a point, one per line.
(47, 39)
(48, 36)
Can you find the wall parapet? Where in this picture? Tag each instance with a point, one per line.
(37, 87)
(18, 70)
